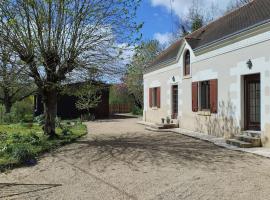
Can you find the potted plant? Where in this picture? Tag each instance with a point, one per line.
(162, 120)
(168, 120)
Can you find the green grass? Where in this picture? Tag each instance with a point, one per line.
(22, 143)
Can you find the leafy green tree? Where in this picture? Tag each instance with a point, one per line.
(144, 55)
(56, 38)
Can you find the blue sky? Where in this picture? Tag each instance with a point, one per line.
(156, 15)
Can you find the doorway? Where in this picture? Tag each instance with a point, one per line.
(174, 101)
(252, 100)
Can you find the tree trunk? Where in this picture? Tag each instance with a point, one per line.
(50, 111)
(8, 106)
(7, 101)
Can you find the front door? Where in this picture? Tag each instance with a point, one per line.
(252, 102)
(174, 101)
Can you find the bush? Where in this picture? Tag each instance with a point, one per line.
(40, 120)
(20, 112)
(9, 118)
(137, 111)
(22, 152)
(23, 110)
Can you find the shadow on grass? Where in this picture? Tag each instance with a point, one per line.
(8, 190)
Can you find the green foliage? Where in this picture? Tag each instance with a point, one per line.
(88, 95)
(20, 144)
(119, 94)
(22, 152)
(137, 111)
(197, 22)
(14, 84)
(21, 111)
(63, 126)
(144, 55)
(24, 110)
(40, 120)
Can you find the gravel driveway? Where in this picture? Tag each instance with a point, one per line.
(118, 159)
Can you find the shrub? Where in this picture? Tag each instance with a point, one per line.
(9, 118)
(22, 152)
(40, 119)
(137, 111)
(3, 136)
(23, 108)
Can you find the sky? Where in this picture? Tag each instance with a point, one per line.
(159, 21)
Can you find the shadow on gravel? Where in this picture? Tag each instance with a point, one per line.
(157, 149)
(8, 190)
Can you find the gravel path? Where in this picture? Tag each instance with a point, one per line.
(118, 159)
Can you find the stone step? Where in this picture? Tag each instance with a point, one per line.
(164, 126)
(156, 126)
(239, 143)
(256, 134)
(255, 141)
(156, 130)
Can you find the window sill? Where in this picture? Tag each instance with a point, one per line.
(187, 77)
(204, 113)
(154, 108)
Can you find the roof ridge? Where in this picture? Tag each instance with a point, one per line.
(219, 18)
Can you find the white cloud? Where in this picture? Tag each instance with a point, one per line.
(181, 7)
(163, 38)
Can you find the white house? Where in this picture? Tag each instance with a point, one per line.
(217, 79)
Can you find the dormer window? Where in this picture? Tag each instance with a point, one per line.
(187, 63)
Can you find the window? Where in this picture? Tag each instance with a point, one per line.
(204, 91)
(154, 97)
(187, 63)
(205, 96)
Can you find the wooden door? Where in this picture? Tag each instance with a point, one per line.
(174, 101)
(252, 102)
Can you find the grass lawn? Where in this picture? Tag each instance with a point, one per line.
(22, 143)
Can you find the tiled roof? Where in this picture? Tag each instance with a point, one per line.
(168, 55)
(253, 13)
(249, 15)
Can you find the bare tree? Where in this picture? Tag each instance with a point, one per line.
(195, 18)
(234, 4)
(57, 37)
(15, 85)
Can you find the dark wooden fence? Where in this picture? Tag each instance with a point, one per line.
(120, 108)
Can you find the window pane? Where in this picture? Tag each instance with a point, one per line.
(205, 95)
(187, 63)
(154, 97)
